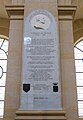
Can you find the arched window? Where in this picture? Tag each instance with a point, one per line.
(3, 66)
(78, 49)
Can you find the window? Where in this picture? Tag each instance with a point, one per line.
(3, 66)
(78, 49)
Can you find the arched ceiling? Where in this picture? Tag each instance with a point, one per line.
(79, 12)
(78, 15)
(3, 13)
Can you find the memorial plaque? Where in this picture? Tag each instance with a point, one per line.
(40, 70)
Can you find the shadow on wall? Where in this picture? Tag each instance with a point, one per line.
(78, 29)
(4, 26)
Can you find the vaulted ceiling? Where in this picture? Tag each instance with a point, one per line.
(3, 13)
(79, 12)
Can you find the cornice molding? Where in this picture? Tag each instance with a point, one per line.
(39, 115)
(15, 12)
(66, 12)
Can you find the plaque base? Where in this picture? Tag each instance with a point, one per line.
(40, 115)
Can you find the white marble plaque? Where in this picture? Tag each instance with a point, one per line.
(40, 70)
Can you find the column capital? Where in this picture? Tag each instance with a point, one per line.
(66, 12)
(15, 12)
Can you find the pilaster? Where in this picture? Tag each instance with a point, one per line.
(18, 2)
(64, 2)
(66, 16)
(15, 13)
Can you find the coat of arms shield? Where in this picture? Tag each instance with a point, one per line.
(26, 87)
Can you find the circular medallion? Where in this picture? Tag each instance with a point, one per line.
(40, 22)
